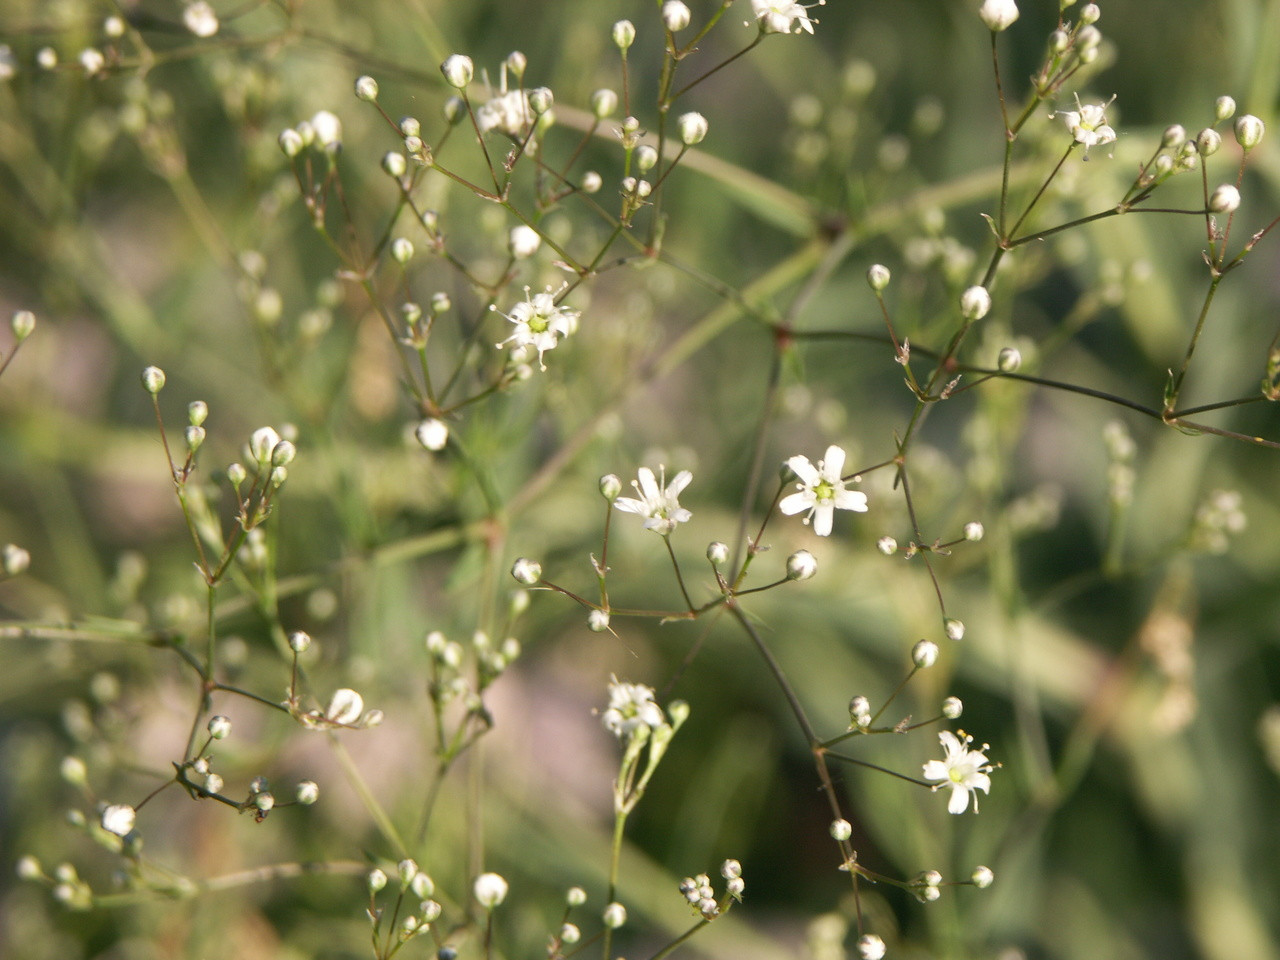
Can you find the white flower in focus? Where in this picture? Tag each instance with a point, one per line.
(631, 706)
(345, 707)
(540, 323)
(200, 19)
(490, 890)
(118, 819)
(1088, 124)
(658, 499)
(821, 491)
(963, 770)
(778, 16)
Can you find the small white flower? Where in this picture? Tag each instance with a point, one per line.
(962, 770)
(523, 242)
(779, 16)
(998, 14)
(871, 947)
(118, 819)
(631, 706)
(1088, 124)
(509, 113)
(327, 127)
(821, 491)
(200, 19)
(433, 434)
(540, 323)
(658, 501)
(345, 707)
(490, 890)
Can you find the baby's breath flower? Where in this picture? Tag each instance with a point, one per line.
(598, 621)
(887, 545)
(998, 14)
(983, 877)
(1224, 108)
(29, 868)
(878, 277)
(401, 250)
(1249, 131)
(718, 552)
(952, 707)
(801, 565)
(624, 34)
(433, 434)
(92, 60)
(328, 129)
(592, 182)
(603, 102)
(631, 706)
(1088, 123)
(962, 770)
(974, 531)
(219, 727)
(118, 818)
(46, 59)
(924, 654)
(345, 707)
(821, 491)
(646, 157)
(540, 323)
(781, 16)
(458, 71)
(658, 502)
(1208, 141)
(490, 890)
(367, 88)
(1090, 13)
(575, 897)
(200, 19)
(376, 880)
(569, 933)
(954, 628)
(860, 711)
(1224, 199)
(841, 829)
(526, 571)
(1009, 360)
(975, 303)
(675, 15)
(290, 141)
(615, 915)
(1174, 136)
(693, 128)
(153, 380)
(870, 947)
(307, 792)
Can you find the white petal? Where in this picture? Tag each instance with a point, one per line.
(345, 707)
(950, 742)
(796, 502)
(978, 781)
(959, 801)
(851, 500)
(678, 483)
(630, 505)
(832, 463)
(822, 517)
(936, 770)
(648, 484)
(805, 470)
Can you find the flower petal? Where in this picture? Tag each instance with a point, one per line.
(796, 502)
(823, 515)
(959, 801)
(832, 463)
(678, 483)
(805, 470)
(851, 500)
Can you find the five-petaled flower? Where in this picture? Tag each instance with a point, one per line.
(658, 500)
(540, 323)
(778, 16)
(963, 770)
(631, 705)
(1088, 124)
(821, 491)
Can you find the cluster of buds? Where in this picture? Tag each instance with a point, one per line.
(700, 895)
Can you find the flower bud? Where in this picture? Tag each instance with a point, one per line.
(401, 249)
(878, 277)
(870, 947)
(954, 628)
(998, 15)
(801, 565)
(194, 438)
(598, 621)
(526, 571)
(541, 100)
(14, 560)
(575, 897)
(610, 486)
(490, 890)
(569, 933)
(1249, 130)
(1009, 360)
(433, 434)
(974, 303)
(646, 157)
(1090, 13)
(693, 128)
(952, 707)
(1224, 107)
(924, 654)
(1208, 141)
(291, 142)
(592, 182)
(153, 380)
(1224, 199)
(367, 88)
(624, 34)
(615, 915)
(675, 15)
(974, 531)
(603, 102)
(307, 792)
(1174, 136)
(118, 818)
(718, 552)
(74, 771)
(376, 880)
(458, 71)
(393, 164)
(328, 128)
(523, 242)
(841, 829)
(22, 323)
(983, 877)
(219, 727)
(299, 641)
(887, 545)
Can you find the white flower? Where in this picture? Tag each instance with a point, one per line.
(658, 499)
(327, 127)
(963, 770)
(870, 947)
(508, 112)
(821, 491)
(631, 706)
(490, 890)
(118, 819)
(778, 16)
(1088, 124)
(998, 14)
(540, 323)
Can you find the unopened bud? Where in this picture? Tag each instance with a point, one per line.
(693, 128)
(153, 380)
(878, 276)
(458, 71)
(367, 88)
(526, 571)
(624, 34)
(1249, 131)
(801, 565)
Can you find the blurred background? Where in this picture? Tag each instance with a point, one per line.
(1120, 656)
